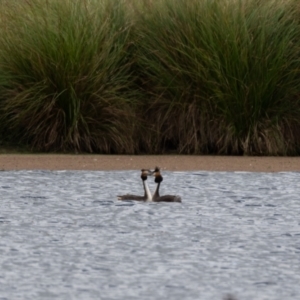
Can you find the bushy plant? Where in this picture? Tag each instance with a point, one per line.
(154, 76)
(222, 76)
(65, 75)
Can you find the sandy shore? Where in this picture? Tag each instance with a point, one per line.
(131, 162)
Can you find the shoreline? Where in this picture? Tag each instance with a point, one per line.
(136, 162)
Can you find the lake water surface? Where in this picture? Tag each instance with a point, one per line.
(64, 235)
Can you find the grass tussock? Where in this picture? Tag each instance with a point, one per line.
(65, 75)
(222, 76)
(131, 76)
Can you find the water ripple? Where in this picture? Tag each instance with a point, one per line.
(63, 235)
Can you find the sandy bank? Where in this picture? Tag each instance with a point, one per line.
(131, 162)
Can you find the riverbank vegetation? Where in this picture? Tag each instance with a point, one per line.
(133, 76)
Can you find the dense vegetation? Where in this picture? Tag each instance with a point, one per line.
(133, 76)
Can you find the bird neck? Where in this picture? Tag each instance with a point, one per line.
(156, 193)
(147, 191)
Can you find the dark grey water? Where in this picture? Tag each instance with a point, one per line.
(63, 235)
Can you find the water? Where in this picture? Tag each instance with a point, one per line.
(63, 235)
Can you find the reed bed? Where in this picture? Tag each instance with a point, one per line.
(160, 76)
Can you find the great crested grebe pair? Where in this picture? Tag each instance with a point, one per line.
(147, 195)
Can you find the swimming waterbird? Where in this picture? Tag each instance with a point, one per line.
(147, 194)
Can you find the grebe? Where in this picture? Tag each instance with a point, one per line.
(156, 197)
(147, 196)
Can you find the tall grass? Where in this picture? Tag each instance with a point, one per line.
(131, 76)
(222, 76)
(65, 75)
